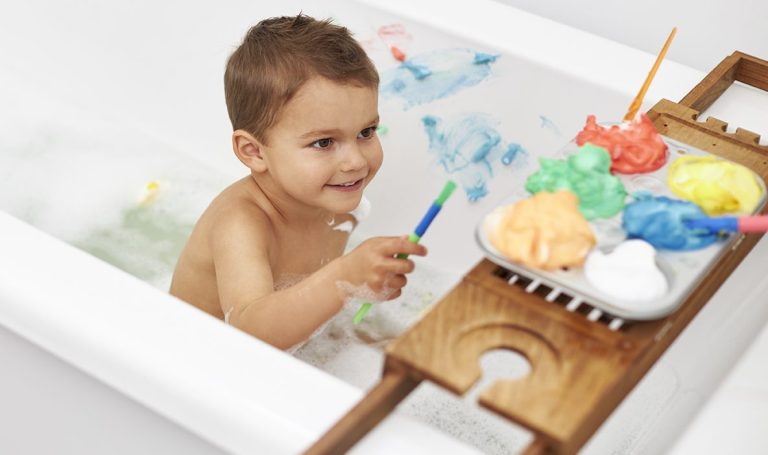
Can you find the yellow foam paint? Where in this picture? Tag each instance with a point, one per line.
(715, 185)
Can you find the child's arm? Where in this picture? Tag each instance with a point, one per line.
(286, 317)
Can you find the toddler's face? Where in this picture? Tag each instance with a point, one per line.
(324, 149)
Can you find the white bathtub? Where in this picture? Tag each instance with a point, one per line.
(96, 360)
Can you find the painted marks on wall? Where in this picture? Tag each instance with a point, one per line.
(396, 38)
(549, 125)
(471, 149)
(468, 145)
(436, 74)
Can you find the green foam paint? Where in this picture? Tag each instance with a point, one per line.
(587, 175)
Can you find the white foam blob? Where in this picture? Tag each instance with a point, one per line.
(362, 210)
(346, 226)
(629, 273)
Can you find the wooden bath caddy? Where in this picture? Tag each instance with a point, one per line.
(582, 366)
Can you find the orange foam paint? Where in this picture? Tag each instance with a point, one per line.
(545, 231)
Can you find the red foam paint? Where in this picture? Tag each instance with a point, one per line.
(397, 53)
(753, 223)
(635, 147)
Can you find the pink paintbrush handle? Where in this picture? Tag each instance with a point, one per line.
(758, 223)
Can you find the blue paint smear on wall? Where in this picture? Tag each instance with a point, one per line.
(470, 148)
(437, 74)
(548, 124)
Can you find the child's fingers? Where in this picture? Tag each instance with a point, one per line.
(401, 245)
(396, 281)
(399, 266)
(394, 294)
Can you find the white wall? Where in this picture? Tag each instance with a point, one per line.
(708, 30)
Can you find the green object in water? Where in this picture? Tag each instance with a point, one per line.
(362, 312)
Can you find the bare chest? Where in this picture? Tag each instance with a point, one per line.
(302, 252)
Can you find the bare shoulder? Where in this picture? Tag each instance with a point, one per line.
(241, 239)
(236, 218)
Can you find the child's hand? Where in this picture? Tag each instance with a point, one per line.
(373, 264)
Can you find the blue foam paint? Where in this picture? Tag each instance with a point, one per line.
(661, 221)
(470, 147)
(434, 75)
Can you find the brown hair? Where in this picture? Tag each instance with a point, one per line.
(277, 56)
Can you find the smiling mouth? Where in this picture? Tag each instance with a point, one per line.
(348, 186)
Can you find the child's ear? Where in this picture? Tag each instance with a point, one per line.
(249, 150)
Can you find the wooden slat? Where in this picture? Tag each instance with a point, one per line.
(713, 85)
(752, 71)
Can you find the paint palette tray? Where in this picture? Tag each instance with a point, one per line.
(682, 269)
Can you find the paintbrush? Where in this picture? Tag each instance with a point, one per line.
(635, 106)
(415, 236)
(742, 224)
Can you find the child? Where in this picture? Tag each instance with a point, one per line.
(303, 100)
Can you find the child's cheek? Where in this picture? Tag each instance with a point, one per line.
(377, 160)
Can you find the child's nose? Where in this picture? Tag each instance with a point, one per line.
(353, 159)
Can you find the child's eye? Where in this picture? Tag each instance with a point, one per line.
(366, 133)
(323, 143)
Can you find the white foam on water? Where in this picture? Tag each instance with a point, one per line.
(362, 293)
